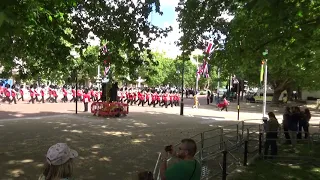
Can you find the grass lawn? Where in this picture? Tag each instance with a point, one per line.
(284, 168)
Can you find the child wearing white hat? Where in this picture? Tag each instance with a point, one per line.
(59, 163)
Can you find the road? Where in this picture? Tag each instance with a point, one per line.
(109, 148)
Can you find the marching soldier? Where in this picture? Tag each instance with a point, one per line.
(42, 93)
(74, 94)
(13, 94)
(65, 94)
(165, 99)
(21, 91)
(31, 91)
(86, 99)
(141, 96)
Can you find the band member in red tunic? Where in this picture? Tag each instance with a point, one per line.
(74, 98)
(31, 91)
(130, 94)
(7, 94)
(86, 99)
(79, 95)
(141, 96)
(159, 96)
(36, 93)
(50, 98)
(65, 94)
(13, 94)
(171, 96)
(148, 97)
(165, 97)
(21, 91)
(54, 94)
(176, 99)
(42, 93)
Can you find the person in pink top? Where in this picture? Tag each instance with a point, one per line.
(223, 104)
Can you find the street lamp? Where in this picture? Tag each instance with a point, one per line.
(75, 72)
(265, 53)
(182, 85)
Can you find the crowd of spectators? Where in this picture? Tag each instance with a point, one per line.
(295, 123)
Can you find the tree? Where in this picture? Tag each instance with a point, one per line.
(35, 32)
(288, 29)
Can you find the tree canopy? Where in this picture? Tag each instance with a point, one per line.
(37, 36)
(288, 29)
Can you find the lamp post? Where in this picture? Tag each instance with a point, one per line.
(218, 85)
(75, 71)
(265, 53)
(182, 89)
(76, 74)
(197, 79)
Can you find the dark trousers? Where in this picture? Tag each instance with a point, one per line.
(165, 104)
(74, 99)
(141, 102)
(14, 99)
(305, 127)
(6, 98)
(21, 97)
(286, 134)
(32, 100)
(64, 99)
(208, 100)
(42, 99)
(271, 142)
(85, 107)
(224, 107)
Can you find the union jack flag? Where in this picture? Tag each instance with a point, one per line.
(106, 70)
(104, 49)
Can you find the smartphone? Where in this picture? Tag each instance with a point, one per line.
(168, 148)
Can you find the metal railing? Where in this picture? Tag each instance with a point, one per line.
(223, 149)
(217, 143)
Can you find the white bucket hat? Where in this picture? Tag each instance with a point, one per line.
(60, 153)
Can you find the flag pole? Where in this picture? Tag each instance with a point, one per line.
(264, 111)
(197, 79)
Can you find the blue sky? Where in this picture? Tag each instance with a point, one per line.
(168, 16)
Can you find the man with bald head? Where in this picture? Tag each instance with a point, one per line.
(187, 168)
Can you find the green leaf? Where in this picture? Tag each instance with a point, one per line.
(50, 18)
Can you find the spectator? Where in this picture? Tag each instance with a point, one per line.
(224, 104)
(208, 96)
(146, 175)
(293, 125)
(186, 169)
(304, 124)
(285, 124)
(59, 163)
(196, 103)
(272, 127)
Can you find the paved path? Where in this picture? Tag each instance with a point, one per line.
(109, 148)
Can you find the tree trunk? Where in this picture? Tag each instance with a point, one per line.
(276, 95)
(279, 86)
(289, 93)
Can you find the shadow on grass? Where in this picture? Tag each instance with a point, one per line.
(301, 164)
(280, 171)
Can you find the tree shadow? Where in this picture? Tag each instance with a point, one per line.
(109, 148)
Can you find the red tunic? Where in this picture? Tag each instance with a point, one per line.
(86, 98)
(65, 93)
(13, 93)
(31, 92)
